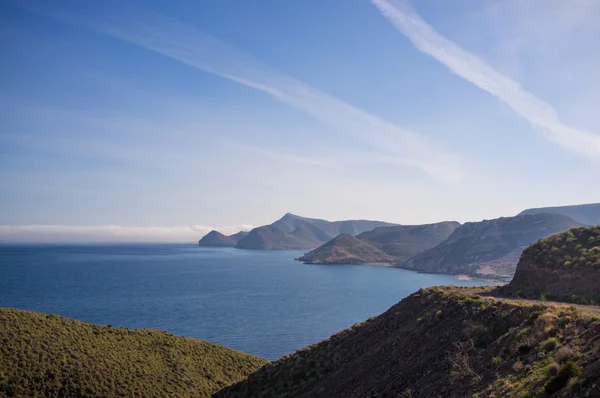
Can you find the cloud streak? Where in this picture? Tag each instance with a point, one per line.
(192, 47)
(109, 233)
(475, 70)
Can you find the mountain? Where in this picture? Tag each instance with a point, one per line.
(563, 266)
(239, 236)
(444, 342)
(51, 356)
(216, 239)
(381, 245)
(475, 243)
(346, 249)
(271, 237)
(588, 214)
(404, 241)
(292, 232)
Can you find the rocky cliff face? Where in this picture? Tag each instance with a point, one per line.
(563, 266)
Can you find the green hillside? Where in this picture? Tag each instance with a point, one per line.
(51, 356)
(577, 247)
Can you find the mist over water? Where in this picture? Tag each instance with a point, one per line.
(259, 302)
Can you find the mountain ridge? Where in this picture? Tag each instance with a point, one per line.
(586, 214)
(476, 243)
(381, 245)
(292, 232)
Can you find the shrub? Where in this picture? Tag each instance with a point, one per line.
(549, 344)
(565, 353)
(558, 382)
(496, 361)
(518, 367)
(553, 369)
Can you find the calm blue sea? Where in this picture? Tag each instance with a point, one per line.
(263, 303)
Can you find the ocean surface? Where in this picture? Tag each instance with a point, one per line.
(263, 303)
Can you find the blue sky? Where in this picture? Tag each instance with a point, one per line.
(160, 120)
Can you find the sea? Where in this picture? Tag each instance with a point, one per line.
(261, 302)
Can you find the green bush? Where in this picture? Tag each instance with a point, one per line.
(550, 344)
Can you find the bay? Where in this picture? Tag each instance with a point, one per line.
(260, 302)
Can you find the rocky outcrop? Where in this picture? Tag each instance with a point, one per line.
(346, 249)
(563, 266)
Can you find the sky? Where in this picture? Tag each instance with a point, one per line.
(159, 121)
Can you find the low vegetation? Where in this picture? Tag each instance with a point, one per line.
(577, 247)
(51, 356)
(448, 342)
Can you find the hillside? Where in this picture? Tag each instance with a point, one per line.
(48, 355)
(216, 239)
(444, 342)
(404, 241)
(563, 266)
(588, 214)
(346, 249)
(473, 246)
(292, 232)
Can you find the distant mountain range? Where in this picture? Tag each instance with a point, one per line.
(588, 214)
(475, 244)
(382, 244)
(488, 248)
(291, 232)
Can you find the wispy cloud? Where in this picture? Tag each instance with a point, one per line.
(109, 233)
(190, 46)
(474, 69)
